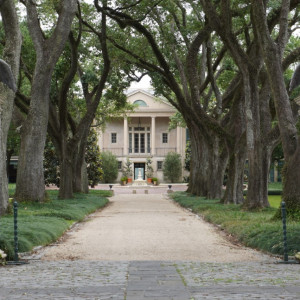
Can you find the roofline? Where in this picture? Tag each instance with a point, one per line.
(150, 95)
(139, 91)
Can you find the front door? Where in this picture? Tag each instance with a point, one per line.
(139, 167)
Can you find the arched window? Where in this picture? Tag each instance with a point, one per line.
(140, 103)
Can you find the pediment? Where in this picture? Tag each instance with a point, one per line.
(147, 101)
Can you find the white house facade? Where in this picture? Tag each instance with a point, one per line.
(144, 134)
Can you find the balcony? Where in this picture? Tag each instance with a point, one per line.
(163, 151)
(140, 152)
(115, 151)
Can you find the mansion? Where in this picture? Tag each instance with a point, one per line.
(143, 134)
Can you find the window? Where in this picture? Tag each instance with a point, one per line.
(119, 165)
(159, 165)
(113, 138)
(140, 103)
(136, 142)
(165, 138)
(139, 128)
(130, 142)
(148, 142)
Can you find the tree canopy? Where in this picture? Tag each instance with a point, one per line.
(226, 66)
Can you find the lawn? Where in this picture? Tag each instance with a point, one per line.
(44, 223)
(274, 200)
(254, 229)
(275, 191)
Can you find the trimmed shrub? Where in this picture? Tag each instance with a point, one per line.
(109, 167)
(172, 167)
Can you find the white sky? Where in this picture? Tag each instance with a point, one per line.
(143, 84)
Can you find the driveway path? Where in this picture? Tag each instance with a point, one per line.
(144, 247)
(147, 227)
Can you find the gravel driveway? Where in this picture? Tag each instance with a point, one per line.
(147, 227)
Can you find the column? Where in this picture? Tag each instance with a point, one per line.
(153, 146)
(125, 150)
(178, 139)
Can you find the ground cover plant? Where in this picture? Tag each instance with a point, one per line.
(256, 229)
(43, 223)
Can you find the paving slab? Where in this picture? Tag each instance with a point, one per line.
(151, 280)
(155, 280)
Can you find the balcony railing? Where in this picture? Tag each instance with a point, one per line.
(140, 152)
(163, 151)
(137, 151)
(115, 151)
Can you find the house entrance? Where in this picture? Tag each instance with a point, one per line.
(137, 167)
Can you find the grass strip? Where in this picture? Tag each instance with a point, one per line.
(44, 223)
(253, 229)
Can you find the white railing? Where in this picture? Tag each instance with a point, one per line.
(145, 152)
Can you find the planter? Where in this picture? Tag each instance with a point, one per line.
(155, 182)
(124, 182)
(149, 180)
(129, 180)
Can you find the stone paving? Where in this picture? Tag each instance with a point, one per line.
(250, 280)
(151, 280)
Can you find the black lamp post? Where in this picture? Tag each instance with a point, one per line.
(16, 240)
(170, 186)
(110, 186)
(285, 247)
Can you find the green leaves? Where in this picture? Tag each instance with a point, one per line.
(172, 168)
(109, 166)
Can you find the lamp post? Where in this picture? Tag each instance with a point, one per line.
(110, 186)
(285, 251)
(285, 247)
(16, 240)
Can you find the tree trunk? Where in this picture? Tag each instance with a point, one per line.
(256, 197)
(208, 164)
(66, 174)
(272, 53)
(217, 165)
(199, 165)
(11, 54)
(70, 141)
(30, 176)
(80, 178)
(291, 186)
(237, 151)
(289, 137)
(235, 180)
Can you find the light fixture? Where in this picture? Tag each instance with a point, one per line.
(139, 124)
